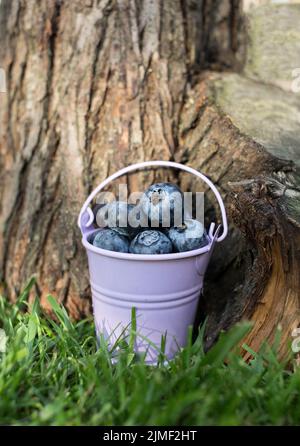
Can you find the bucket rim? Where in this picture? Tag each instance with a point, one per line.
(147, 257)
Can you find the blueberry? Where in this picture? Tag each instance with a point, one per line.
(191, 235)
(112, 241)
(91, 237)
(162, 203)
(150, 242)
(115, 215)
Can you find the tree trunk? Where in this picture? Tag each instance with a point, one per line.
(93, 86)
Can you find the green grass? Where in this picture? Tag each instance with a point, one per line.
(52, 374)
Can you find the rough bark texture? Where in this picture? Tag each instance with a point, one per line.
(92, 86)
(96, 85)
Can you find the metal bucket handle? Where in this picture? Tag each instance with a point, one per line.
(86, 216)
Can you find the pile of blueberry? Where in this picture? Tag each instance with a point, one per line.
(119, 232)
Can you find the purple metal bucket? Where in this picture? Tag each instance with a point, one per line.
(163, 288)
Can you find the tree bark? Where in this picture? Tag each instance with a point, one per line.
(93, 86)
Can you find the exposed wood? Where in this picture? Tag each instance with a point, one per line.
(257, 280)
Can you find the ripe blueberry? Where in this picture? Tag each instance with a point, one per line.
(162, 203)
(191, 235)
(150, 242)
(112, 241)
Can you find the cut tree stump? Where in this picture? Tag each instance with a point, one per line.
(255, 276)
(94, 86)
